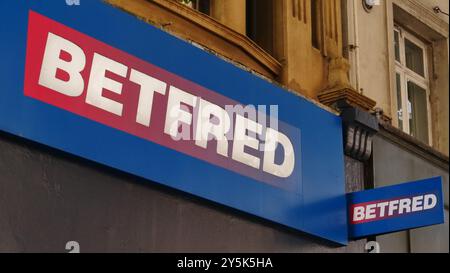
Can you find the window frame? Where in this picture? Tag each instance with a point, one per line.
(407, 75)
(195, 5)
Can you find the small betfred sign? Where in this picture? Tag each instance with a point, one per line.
(394, 208)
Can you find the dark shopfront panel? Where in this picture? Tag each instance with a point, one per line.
(396, 159)
(48, 198)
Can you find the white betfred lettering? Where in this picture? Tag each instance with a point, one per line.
(98, 81)
(205, 127)
(394, 207)
(175, 113)
(370, 211)
(417, 203)
(208, 121)
(242, 139)
(358, 214)
(272, 139)
(149, 86)
(404, 206)
(430, 201)
(52, 62)
(382, 206)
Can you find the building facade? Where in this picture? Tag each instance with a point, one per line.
(402, 53)
(386, 62)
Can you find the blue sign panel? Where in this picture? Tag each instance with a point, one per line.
(98, 83)
(394, 208)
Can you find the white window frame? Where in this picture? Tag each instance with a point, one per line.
(406, 75)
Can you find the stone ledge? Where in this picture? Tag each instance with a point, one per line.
(347, 94)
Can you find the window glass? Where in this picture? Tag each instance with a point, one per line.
(411, 85)
(414, 57)
(399, 101)
(201, 5)
(397, 46)
(417, 111)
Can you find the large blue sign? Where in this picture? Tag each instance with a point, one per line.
(394, 208)
(101, 84)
